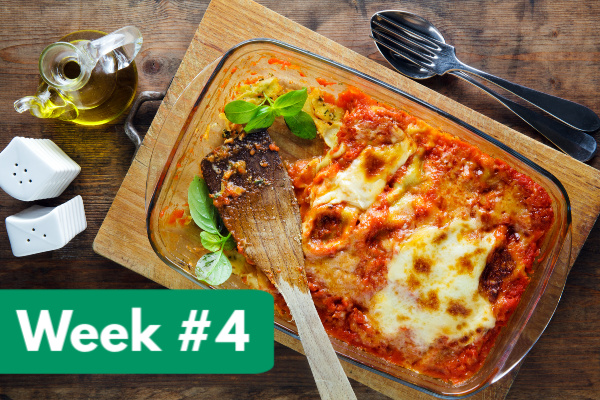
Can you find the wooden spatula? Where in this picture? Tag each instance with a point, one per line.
(258, 206)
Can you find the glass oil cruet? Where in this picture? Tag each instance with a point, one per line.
(88, 77)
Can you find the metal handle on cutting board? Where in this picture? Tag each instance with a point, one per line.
(130, 129)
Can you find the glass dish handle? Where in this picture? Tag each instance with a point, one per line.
(130, 129)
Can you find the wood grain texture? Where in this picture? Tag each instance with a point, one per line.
(548, 45)
(214, 37)
(266, 218)
(271, 203)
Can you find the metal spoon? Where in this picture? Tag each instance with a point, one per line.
(392, 44)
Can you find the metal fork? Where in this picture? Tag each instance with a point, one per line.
(440, 58)
(571, 141)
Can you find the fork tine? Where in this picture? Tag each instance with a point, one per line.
(426, 41)
(395, 45)
(423, 64)
(406, 39)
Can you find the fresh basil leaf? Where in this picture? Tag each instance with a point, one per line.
(302, 125)
(240, 111)
(214, 268)
(221, 225)
(290, 103)
(202, 209)
(264, 118)
(229, 243)
(210, 241)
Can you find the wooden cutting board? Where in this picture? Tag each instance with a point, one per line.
(122, 237)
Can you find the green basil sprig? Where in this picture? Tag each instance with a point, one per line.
(214, 268)
(261, 116)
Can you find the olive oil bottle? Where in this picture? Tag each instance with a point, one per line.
(88, 77)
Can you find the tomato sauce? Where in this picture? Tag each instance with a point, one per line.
(459, 181)
(324, 82)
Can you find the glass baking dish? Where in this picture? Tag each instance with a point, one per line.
(192, 129)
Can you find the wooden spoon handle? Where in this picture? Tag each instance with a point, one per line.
(327, 370)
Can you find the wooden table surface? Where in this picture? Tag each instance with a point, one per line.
(550, 45)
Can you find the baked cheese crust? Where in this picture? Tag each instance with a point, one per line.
(418, 245)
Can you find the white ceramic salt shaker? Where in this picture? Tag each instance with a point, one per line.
(39, 229)
(35, 169)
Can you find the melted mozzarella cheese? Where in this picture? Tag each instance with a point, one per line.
(433, 282)
(398, 198)
(358, 186)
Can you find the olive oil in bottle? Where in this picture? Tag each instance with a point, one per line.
(88, 77)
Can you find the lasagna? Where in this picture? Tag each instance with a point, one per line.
(418, 245)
